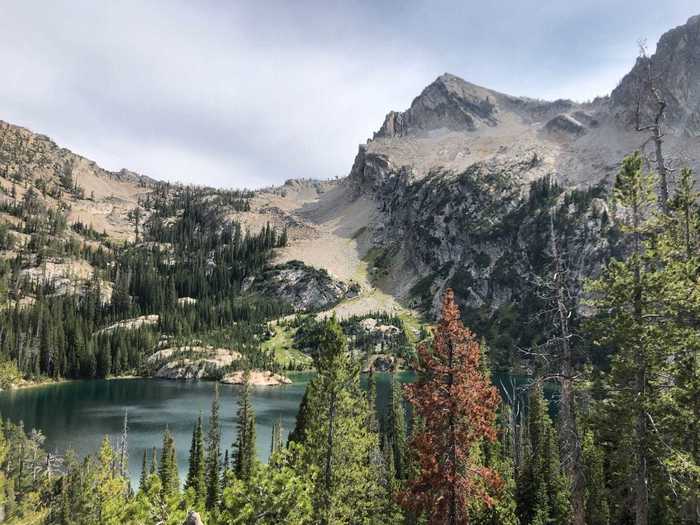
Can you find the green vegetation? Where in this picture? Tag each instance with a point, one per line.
(619, 443)
(186, 250)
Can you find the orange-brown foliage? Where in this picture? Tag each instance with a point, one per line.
(456, 404)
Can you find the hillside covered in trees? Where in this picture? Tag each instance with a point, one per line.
(533, 266)
(616, 444)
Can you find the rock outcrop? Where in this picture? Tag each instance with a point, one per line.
(191, 362)
(257, 378)
(450, 103)
(133, 324)
(303, 287)
(675, 67)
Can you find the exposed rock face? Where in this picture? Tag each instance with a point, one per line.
(454, 177)
(676, 66)
(191, 362)
(303, 287)
(371, 325)
(565, 124)
(134, 324)
(257, 378)
(449, 102)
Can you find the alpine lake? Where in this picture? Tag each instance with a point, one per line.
(77, 415)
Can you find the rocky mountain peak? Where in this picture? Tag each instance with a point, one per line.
(675, 68)
(449, 102)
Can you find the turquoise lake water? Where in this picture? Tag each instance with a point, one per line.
(79, 414)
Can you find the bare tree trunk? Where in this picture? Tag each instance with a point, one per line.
(568, 433)
(654, 128)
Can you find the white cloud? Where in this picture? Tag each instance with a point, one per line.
(247, 95)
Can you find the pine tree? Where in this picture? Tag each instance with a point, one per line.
(297, 435)
(336, 441)
(677, 304)
(168, 471)
(543, 491)
(276, 443)
(457, 407)
(154, 461)
(626, 299)
(277, 493)
(144, 471)
(124, 447)
(397, 428)
(372, 420)
(245, 441)
(196, 479)
(213, 464)
(110, 487)
(597, 509)
(504, 509)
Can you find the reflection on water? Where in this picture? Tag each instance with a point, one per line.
(79, 414)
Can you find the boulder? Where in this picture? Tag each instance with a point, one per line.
(304, 287)
(257, 378)
(193, 518)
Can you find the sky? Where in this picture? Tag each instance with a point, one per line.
(252, 93)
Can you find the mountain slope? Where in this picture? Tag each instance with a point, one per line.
(450, 192)
(96, 197)
(457, 190)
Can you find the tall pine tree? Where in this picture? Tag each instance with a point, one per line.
(213, 461)
(245, 441)
(337, 443)
(196, 474)
(457, 406)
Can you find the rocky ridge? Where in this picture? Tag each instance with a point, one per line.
(451, 173)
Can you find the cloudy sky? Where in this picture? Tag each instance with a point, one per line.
(251, 93)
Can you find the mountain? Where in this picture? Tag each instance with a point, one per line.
(458, 190)
(676, 64)
(95, 197)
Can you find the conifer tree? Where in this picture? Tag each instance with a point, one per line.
(196, 479)
(372, 420)
(597, 509)
(213, 465)
(397, 428)
(457, 407)
(498, 456)
(110, 487)
(626, 299)
(245, 440)
(677, 417)
(277, 493)
(144, 471)
(299, 431)
(276, 443)
(336, 442)
(543, 492)
(168, 471)
(154, 461)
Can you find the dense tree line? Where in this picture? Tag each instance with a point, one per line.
(615, 441)
(184, 248)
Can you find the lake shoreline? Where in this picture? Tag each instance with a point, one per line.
(32, 383)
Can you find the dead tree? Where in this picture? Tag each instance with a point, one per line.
(647, 84)
(560, 289)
